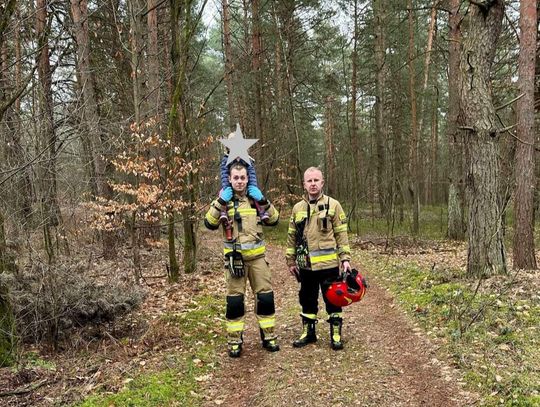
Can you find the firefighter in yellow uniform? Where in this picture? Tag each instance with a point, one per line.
(245, 258)
(317, 253)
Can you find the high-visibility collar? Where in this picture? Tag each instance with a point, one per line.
(313, 201)
(240, 198)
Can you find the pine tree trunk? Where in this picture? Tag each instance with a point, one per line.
(284, 20)
(524, 256)
(355, 153)
(7, 321)
(229, 66)
(256, 82)
(153, 61)
(181, 114)
(94, 134)
(330, 160)
(486, 254)
(414, 173)
(48, 171)
(456, 195)
(383, 186)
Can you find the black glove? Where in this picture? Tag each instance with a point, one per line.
(235, 264)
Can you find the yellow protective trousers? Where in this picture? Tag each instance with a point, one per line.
(258, 273)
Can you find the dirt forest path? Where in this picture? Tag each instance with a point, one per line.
(386, 361)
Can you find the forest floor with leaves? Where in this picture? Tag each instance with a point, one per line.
(172, 351)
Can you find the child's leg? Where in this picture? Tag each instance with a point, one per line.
(261, 212)
(223, 214)
(252, 175)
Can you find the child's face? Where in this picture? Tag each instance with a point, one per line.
(238, 179)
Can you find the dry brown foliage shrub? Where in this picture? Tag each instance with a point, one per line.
(49, 302)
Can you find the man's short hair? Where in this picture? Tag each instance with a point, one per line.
(237, 166)
(310, 169)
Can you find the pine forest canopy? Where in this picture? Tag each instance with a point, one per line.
(116, 106)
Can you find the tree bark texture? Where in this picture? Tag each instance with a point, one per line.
(456, 192)
(414, 141)
(182, 33)
(330, 159)
(7, 321)
(381, 133)
(356, 179)
(524, 256)
(93, 136)
(229, 65)
(153, 63)
(486, 253)
(48, 171)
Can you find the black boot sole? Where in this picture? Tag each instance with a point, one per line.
(302, 344)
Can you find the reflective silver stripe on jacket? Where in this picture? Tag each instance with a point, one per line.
(321, 252)
(243, 246)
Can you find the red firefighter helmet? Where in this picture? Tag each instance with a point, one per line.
(344, 292)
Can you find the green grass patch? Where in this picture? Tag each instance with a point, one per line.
(178, 383)
(277, 234)
(491, 332)
(432, 223)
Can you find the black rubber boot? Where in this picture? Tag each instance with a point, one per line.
(308, 333)
(335, 333)
(235, 349)
(234, 344)
(271, 344)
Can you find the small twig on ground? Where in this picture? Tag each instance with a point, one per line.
(24, 389)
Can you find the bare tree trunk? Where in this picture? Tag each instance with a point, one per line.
(330, 160)
(256, 79)
(49, 201)
(524, 256)
(180, 118)
(423, 97)
(486, 254)
(19, 201)
(286, 16)
(153, 58)
(381, 135)
(137, 65)
(433, 196)
(413, 176)
(456, 196)
(229, 66)
(354, 123)
(7, 320)
(94, 134)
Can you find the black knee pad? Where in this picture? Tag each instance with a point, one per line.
(265, 303)
(235, 306)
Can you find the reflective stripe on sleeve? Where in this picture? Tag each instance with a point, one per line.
(211, 219)
(341, 228)
(345, 249)
(274, 217)
(298, 216)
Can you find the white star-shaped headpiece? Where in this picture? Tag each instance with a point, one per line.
(238, 145)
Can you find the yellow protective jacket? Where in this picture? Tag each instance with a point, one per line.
(247, 228)
(325, 230)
